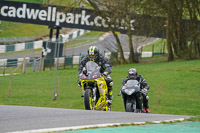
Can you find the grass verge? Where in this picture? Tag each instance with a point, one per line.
(158, 46)
(174, 87)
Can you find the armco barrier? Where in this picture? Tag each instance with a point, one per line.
(2, 49)
(157, 53)
(69, 60)
(19, 46)
(10, 48)
(29, 45)
(65, 38)
(12, 62)
(38, 44)
(146, 54)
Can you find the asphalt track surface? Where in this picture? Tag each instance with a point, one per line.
(39, 119)
(108, 44)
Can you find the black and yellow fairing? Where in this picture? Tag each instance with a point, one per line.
(93, 78)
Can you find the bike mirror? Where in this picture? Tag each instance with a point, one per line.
(84, 71)
(123, 82)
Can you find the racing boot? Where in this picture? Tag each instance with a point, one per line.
(110, 96)
(146, 106)
(109, 83)
(147, 111)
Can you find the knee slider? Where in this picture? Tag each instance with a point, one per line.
(147, 97)
(111, 84)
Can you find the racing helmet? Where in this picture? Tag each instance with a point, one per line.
(132, 73)
(93, 53)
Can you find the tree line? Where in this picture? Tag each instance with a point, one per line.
(176, 20)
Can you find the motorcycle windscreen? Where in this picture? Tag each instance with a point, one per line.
(91, 66)
(133, 84)
(93, 70)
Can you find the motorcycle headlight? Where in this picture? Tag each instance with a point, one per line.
(95, 76)
(129, 91)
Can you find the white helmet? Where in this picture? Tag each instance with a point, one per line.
(132, 73)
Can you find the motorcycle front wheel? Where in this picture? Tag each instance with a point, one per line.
(88, 99)
(129, 107)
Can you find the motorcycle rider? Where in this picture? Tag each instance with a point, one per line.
(106, 68)
(132, 74)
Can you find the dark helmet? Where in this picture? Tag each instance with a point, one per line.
(93, 53)
(132, 73)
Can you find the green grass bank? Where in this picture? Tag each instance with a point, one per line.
(174, 87)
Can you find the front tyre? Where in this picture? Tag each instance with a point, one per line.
(108, 108)
(129, 107)
(88, 99)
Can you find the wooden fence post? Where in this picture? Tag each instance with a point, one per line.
(164, 48)
(72, 61)
(10, 84)
(152, 50)
(23, 65)
(159, 94)
(4, 69)
(42, 64)
(64, 61)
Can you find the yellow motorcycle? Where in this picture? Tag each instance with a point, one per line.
(94, 88)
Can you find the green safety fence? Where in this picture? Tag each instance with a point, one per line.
(157, 53)
(78, 33)
(70, 36)
(29, 45)
(68, 60)
(10, 48)
(12, 62)
(137, 54)
(49, 62)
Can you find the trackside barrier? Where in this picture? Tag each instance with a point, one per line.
(29, 45)
(75, 34)
(12, 63)
(68, 60)
(10, 48)
(38, 44)
(33, 65)
(62, 61)
(146, 54)
(49, 62)
(158, 53)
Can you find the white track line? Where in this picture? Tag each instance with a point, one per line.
(90, 126)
